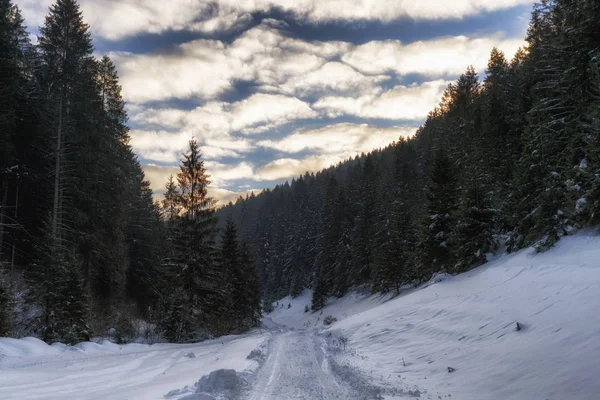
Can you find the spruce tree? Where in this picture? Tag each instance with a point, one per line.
(442, 198)
(251, 306)
(233, 279)
(197, 297)
(363, 235)
(15, 90)
(5, 312)
(67, 74)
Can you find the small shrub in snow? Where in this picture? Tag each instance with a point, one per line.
(329, 320)
(306, 308)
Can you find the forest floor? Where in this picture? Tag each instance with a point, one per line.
(455, 337)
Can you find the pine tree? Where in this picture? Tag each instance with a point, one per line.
(251, 285)
(442, 198)
(233, 282)
(66, 48)
(363, 243)
(15, 87)
(197, 297)
(5, 305)
(592, 201)
(145, 240)
(328, 258)
(474, 229)
(319, 292)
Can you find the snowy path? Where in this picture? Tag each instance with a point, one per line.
(297, 368)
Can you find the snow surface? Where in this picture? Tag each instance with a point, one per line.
(452, 338)
(30, 369)
(468, 323)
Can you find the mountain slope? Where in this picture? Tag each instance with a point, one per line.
(468, 322)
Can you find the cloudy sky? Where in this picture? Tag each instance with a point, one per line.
(273, 88)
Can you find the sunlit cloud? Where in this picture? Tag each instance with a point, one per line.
(274, 110)
(286, 168)
(167, 147)
(279, 64)
(212, 126)
(435, 57)
(333, 78)
(341, 139)
(400, 103)
(117, 19)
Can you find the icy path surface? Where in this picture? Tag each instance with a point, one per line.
(297, 368)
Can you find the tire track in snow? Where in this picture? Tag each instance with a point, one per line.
(297, 368)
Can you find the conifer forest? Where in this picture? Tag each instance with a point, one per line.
(510, 158)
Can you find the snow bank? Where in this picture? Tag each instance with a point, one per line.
(296, 317)
(468, 323)
(27, 347)
(31, 369)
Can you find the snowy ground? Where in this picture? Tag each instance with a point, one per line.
(378, 349)
(30, 369)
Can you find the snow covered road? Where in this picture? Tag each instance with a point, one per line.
(297, 368)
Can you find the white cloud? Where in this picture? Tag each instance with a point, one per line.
(274, 110)
(333, 143)
(224, 196)
(285, 168)
(333, 77)
(435, 57)
(399, 103)
(196, 69)
(167, 147)
(344, 139)
(208, 68)
(118, 19)
(222, 173)
(212, 125)
(282, 65)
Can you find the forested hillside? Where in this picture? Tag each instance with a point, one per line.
(508, 160)
(83, 248)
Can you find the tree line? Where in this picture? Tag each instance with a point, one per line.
(502, 163)
(83, 246)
